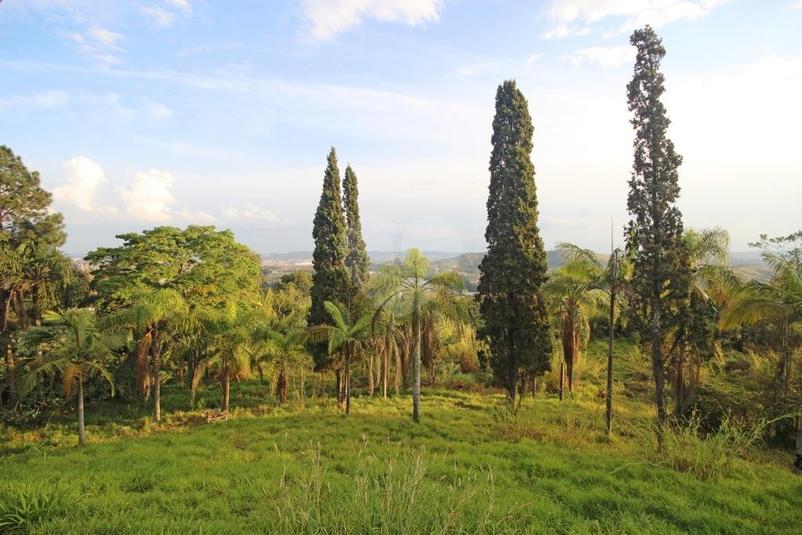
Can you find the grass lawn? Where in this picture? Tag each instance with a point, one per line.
(470, 467)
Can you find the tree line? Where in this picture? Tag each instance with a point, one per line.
(190, 306)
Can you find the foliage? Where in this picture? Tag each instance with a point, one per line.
(514, 268)
(357, 260)
(330, 280)
(654, 233)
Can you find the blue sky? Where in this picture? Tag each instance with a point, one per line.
(140, 113)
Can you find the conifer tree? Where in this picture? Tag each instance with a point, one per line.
(514, 268)
(654, 233)
(330, 280)
(357, 260)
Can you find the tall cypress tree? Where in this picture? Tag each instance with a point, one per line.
(514, 268)
(357, 260)
(330, 280)
(654, 233)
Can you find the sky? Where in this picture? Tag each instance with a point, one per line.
(176, 112)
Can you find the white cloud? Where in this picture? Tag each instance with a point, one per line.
(797, 4)
(606, 57)
(533, 58)
(561, 31)
(184, 5)
(166, 13)
(159, 16)
(158, 112)
(634, 12)
(327, 18)
(99, 44)
(251, 213)
(41, 99)
(85, 178)
(150, 196)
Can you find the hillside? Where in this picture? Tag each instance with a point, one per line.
(470, 467)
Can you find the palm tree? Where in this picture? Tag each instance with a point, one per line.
(613, 279)
(778, 301)
(410, 289)
(711, 284)
(150, 317)
(282, 349)
(342, 334)
(75, 349)
(572, 294)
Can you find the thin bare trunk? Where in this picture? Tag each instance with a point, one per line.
(658, 367)
(348, 378)
(226, 380)
(282, 385)
(371, 384)
(416, 363)
(609, 413)
(562, 378)
(155, 348)
(81, 423)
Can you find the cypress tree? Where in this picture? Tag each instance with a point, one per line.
(514, 268)
(330, 279)
(357, 260)
(654, 233)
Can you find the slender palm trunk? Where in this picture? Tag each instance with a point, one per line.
(385, 372)
(348, 378)
(282, 386)
(562, 378)
(609, 414)
(416, 363)
(371, 384)
(339, 387)
(156, 350)
(81, 423)
(226, 378)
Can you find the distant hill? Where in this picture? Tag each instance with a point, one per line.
(748, 265)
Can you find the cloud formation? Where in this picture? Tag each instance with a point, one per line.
(251, 213)
(85, 178)
(572, 14)
(606, 57)
(99, 44)
(327, 18)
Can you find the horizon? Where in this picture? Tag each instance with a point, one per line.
(190, 112)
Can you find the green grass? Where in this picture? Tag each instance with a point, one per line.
(470, 467)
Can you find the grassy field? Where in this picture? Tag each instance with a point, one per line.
(470, 467)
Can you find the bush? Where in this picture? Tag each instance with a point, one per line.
(686, 448)
(28, 508)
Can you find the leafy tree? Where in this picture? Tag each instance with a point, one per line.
(613, 279)
(330, 280)
(572, 292)
(514, 268)
(25, 223)
(654, 234)
(357, 260)
(706, 259)
(409, 288)
(779, 302)
(161, 278)
(343, 333)
(75, 350)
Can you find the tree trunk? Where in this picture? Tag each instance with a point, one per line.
(608, 419)
(282, 385)
(385, 372)
(338, 375)
(155, 351)
(348, 378)
(371, 384)
(562, 378)
(81, 424)
(658, 367)
(416, 364)
(226, 379)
